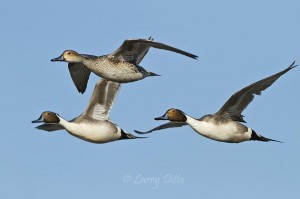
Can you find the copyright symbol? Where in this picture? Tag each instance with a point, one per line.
(127, 178)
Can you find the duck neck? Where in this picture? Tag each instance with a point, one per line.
(85, 61)
(191, 121)
(67, 125)
(195, 124)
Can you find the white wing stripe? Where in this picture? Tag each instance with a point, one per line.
(98, 112)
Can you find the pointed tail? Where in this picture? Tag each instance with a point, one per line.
(152, 74)
(128, 136)
(256, 136)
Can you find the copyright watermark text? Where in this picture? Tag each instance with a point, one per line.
(153, 181)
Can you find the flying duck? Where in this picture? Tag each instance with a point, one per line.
(121, 66)
(226, 124)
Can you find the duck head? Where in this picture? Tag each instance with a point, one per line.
(47, 117)
(174, 115)
(70, 56)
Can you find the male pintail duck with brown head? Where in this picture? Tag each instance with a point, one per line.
(225, 125)
(93, 125)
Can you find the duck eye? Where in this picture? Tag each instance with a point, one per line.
(69, 53)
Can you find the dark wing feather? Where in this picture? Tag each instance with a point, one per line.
(143, 51)
(131, 51)
(134, 50)
(235, 105)
(80, 74)
(164, 126)
(50, 127)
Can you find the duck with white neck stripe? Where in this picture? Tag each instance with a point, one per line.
(94, 124)
(225, 125)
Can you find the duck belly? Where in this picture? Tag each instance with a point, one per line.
(229, 132)
(119, 71)
(96, 133)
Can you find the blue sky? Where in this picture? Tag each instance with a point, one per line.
(237, 43)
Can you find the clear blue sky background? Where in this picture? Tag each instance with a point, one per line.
(237, 43)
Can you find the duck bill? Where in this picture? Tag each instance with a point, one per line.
(164, 117)
(41, 119)
(60, 58)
